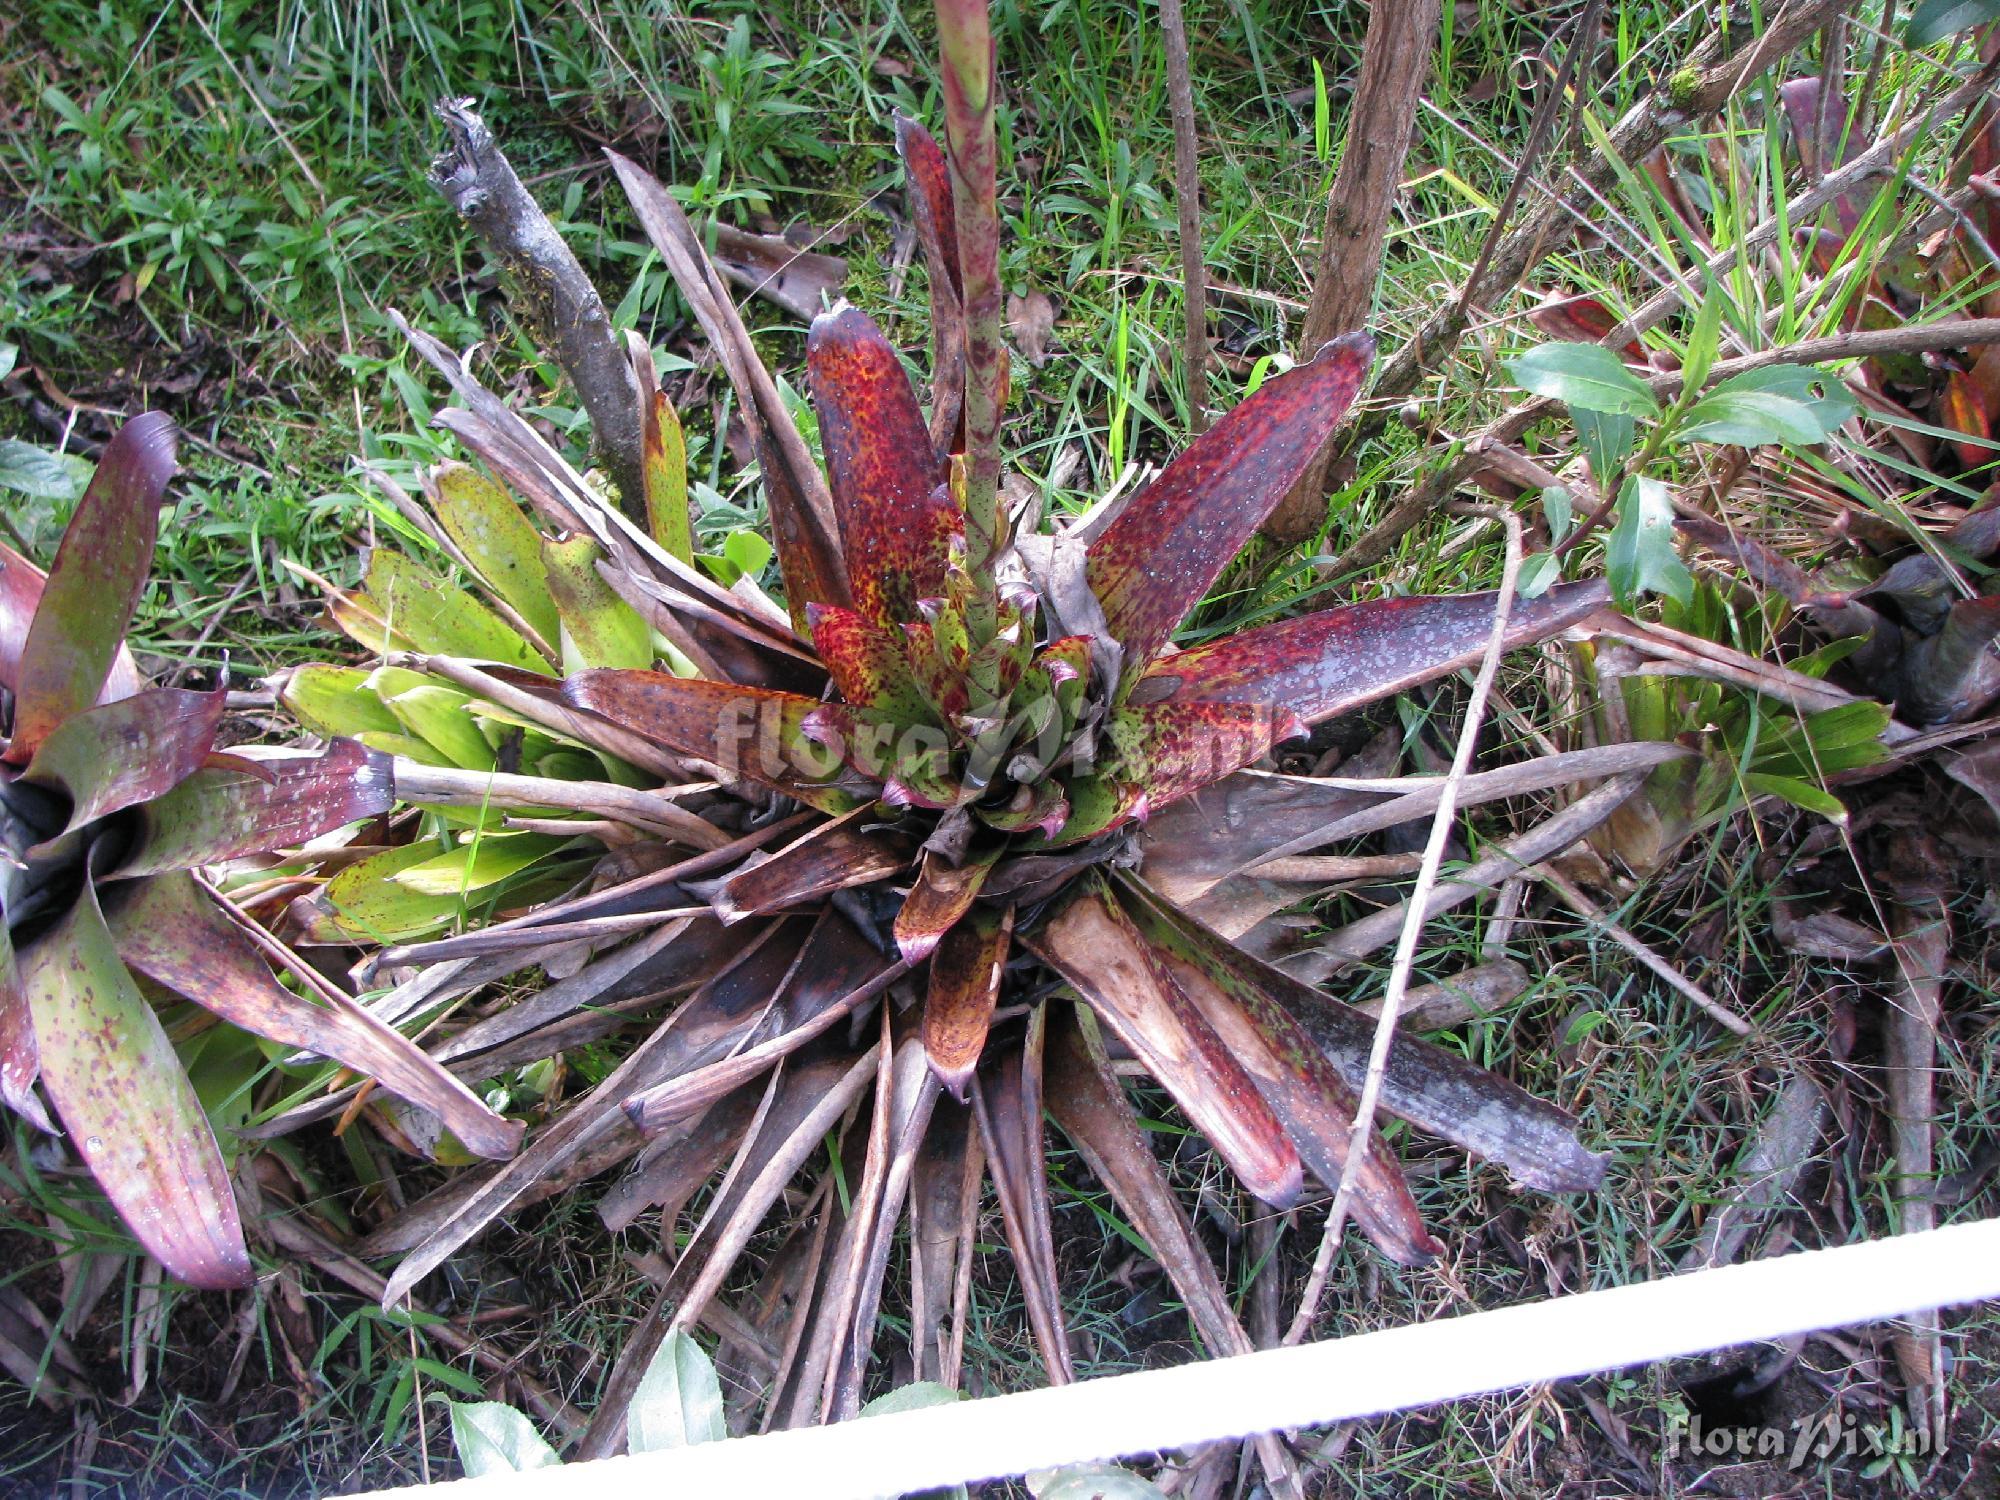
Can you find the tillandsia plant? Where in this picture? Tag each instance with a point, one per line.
(113, 801)
(975, 828)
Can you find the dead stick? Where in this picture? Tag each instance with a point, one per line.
(1394, 60)
(559, 303)
(1187, 190)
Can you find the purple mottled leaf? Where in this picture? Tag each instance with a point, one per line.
(128, 752)
(20, 592)
(1167, 547)
(94, 586)
(217, 815)
(1092, 944)
(126, 1103)
(897, 519)
(20, 1062)
(1336, 660)
(752, 733)
(867, 663)
(170, 930)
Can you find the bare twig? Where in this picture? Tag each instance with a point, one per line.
(1187, 190)
(1922, 949)
(1394, 61)
(1413, 926)
(553, 295)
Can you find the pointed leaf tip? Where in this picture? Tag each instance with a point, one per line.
(1167, 547)
(93, 588)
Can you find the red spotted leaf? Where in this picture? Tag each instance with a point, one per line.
(942, 894)
(964, 988)
(223, 814)
(170, 930)
(1167, 547)
(755, 734)
(1170, 749)
(126, 1102)
(930, 206)
(94, 586)
(866, 662)
(1336, 660)
(128, 752)
(1092, 944)
(896, 517)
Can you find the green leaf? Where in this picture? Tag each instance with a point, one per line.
(1703, 340)
(8, 354)
(493, 1438)
(1558, 510)
(1641, 558)
(679, 1399)
(40, 474)
(499, 541)
(1751, 414)
(1587, 377)
(434, 713)
(1934, 20)
(599, 629)
(1802, 794)
(1607, 439)
(1537, 573)
(367, 901)
(436, 615)
(488, 862)
(915, 1396)
(337, 700)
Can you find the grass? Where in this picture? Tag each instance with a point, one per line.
(213, 207)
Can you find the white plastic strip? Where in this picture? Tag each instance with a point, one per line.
(1362, 1375)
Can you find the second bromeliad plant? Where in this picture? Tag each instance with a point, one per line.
(941, 829)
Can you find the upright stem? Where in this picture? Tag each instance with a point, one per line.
(1187, 186)
(965, 35)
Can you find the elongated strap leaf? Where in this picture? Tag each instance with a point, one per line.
(944, 1217)
(927, 176)
(833, 857)
(127, 1104)
(1431, 1087)
(1306, 1093)
(802, 519)
(128, 752)
(93, 588)
(217, 815)
(1171, 542)
(20, 1060)
(1329, 663)
(1171, 749)
(169, 930)
(896, 517)
(964, 988)
(1007, 1103)
(665, 455)
(497, 538)
(1091, 943)
(751, 733)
